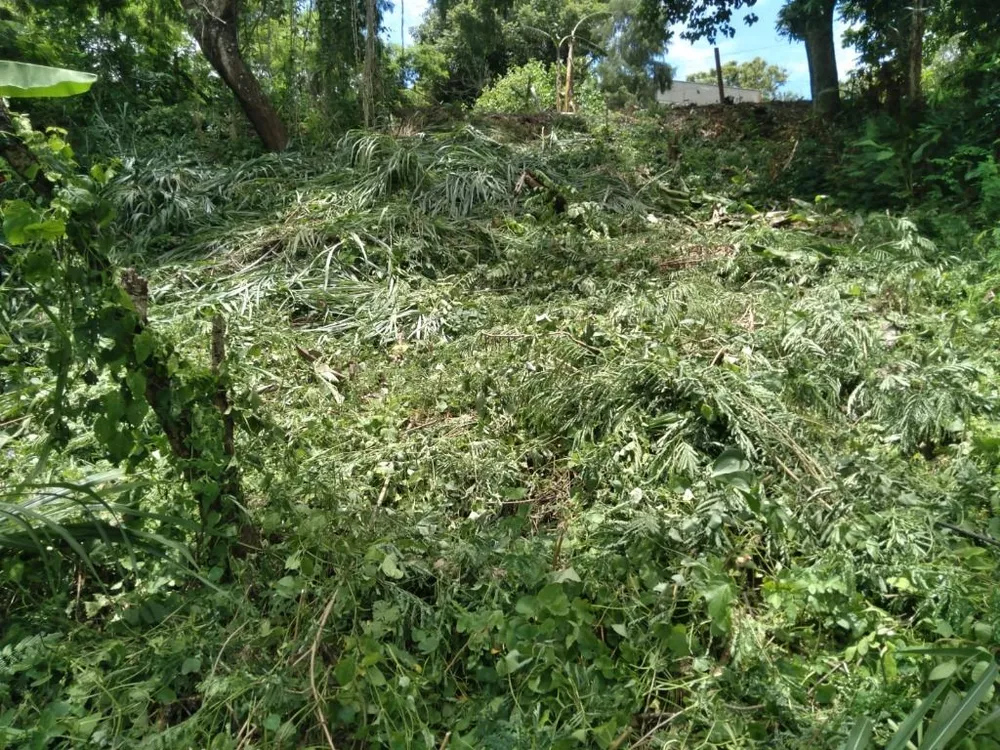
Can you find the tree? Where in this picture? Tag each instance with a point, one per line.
(371, 52)
(890, 39)
(811, 21)
(214, 24)
(754, 74)
(630, 70)
(702, 19)
(141, 45)
(474, 37)
(482, 39)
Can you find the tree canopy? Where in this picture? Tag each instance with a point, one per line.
(753, 74)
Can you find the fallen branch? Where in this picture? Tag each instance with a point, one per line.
(981, 538)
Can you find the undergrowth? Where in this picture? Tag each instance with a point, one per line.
(548, 447)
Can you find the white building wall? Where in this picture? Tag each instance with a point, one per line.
(685, 92)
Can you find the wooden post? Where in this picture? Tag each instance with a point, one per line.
(718, 77)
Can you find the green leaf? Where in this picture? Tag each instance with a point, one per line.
(980, 669)
(345, 670)
(731, 461)
(943, 671)
(719, 598)
(913, 719)
(375, 677)
(514, 662)
(988, 721)
(554, 599)
(288, 587)
(567, 574)
(23, 223)
(114, 405)
(982, 632)
(677, 641)
(23, 80)
(191, 665)
(620, 629)
(143, 345)
(860, 736)
(272, 722)
(391, 568)
(947, 724)
(527, 606)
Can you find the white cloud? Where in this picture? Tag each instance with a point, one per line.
(847, 59)
(687, 58)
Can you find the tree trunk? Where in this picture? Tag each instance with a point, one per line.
(214, 25)
(568, 98)
(822, 51)
(915, 54)
(371, 36)
(558, 83)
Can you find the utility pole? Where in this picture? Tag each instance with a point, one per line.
(718, 77)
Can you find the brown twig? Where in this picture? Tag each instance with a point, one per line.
(788, 471)
(791, 156)
(79, 589)
(312, 673)
(385, 489)
(305, 354)
(450, 664)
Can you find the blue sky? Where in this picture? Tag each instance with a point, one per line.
(759, 40)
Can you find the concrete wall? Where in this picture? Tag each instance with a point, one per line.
(684, 92)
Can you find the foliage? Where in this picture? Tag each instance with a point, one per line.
(591, 459)
(947, 159)
(481, 41)
(654, 429)
(753, 74)
(532, 88)
(630, 72)
(702, 19)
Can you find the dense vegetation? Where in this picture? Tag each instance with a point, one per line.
(455, 397)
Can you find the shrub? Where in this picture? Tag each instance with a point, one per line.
(531, 88)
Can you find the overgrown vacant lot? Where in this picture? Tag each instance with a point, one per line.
(547, 447)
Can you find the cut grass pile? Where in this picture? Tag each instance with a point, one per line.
(578, 460)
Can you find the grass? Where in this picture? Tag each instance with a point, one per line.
(648, 469)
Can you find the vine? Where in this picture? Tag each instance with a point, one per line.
(57, 254)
